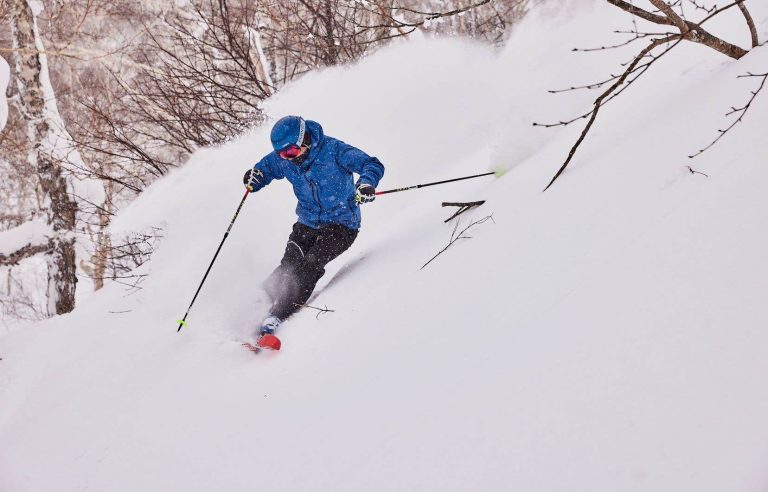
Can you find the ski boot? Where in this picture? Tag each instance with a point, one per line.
(267, 338)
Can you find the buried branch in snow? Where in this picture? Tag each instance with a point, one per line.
(693, 171)
(463, 207)
(456, 235)
(320, 311)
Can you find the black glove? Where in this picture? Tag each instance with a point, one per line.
(253, 179)
(365, 193)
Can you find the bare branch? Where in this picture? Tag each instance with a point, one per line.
(457, 235)
(688, 30)
(600, 100)
(742, 111)
(643, 14)
(430, 16)
(678, 21)
(750, 24)
(320, 311)
(636, 37)
(25, 252)
(463, 207)
(697, 172)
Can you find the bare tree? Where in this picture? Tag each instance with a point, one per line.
(86, 46)
(201, 71)
(48, 135)
(673, 16)
(483, 19)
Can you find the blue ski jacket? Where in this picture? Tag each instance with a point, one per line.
(323, 183)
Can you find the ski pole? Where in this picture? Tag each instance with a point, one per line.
(183, 321)
(497, 172)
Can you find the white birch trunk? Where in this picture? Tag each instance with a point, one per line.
(263, 62)
(50, 150)
(5, 74)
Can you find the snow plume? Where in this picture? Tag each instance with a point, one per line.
(5, 74)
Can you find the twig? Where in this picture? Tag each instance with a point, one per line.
(742, 110)
(639, 69)
(637, 36)
(428, 17)
(703, 7)
(321, 311)
(697, 172)
(455, 236)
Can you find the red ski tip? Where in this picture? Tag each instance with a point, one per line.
(270, 342)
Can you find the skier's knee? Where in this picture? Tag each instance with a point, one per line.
(293, 255)
(312, 266)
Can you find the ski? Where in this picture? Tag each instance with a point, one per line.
(265, 342)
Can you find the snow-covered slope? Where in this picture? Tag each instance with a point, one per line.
(609, 334)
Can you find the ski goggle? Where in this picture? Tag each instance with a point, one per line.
(290, 152)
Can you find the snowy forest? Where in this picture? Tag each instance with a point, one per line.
(578, 303)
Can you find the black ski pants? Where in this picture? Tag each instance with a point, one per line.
(306, 254)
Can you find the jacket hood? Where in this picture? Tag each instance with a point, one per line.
(318, 139)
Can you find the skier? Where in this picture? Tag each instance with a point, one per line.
(320, 168)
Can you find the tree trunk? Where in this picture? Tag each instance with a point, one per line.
(103, 240)
(45, 130)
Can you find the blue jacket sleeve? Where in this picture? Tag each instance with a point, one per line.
(270, 169)
(370, 169)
